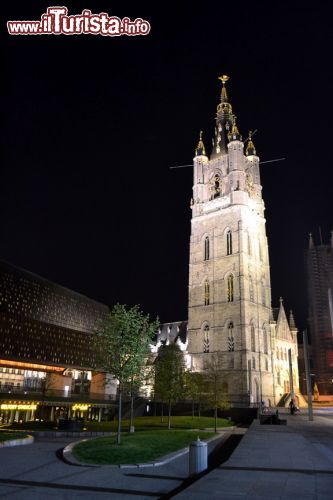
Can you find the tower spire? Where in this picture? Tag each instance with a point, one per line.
(310, 241)
(223, 121)
(224, 95)
(250, 149)
(200, 149)
(291, 320)
(224, 107)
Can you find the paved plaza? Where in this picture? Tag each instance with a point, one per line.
(275, 462)
(271, 462)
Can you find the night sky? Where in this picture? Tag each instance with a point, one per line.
(90, 126)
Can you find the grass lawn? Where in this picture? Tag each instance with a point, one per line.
(138, 447)
(142, 423)
(6, 436)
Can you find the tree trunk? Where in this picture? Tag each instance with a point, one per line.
(199, 410)
(192, 408)
(169, 416)
(162, 420)
(119, 415)
(132, 412)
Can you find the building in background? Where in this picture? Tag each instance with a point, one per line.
(46, 359)
(319, 271)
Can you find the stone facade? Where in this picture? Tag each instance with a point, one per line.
(229, 309)
(229, 279)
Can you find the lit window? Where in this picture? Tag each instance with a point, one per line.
(229, 242)
(263, 293)
(217, 189)
(231, 341)
(206, 248)
(251, 289)
(253, 339)
(265, 342)
(230, 283)
(206, 293)
(206, 339)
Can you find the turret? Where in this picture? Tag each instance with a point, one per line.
(250, 149)
(199, 173)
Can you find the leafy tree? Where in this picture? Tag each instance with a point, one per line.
(169, 376)
(217, 393)
(122, 344)
(195, 388)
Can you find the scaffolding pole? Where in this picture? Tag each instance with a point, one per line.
(307, 373)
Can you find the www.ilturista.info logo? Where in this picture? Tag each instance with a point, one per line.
(57, 22)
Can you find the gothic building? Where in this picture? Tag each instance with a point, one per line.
(229, 310)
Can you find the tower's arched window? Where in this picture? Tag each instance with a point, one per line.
(207, 293)
(206, 339)
(249, 244)
(253, 363)
(253, 339)
(251, 289)
(265, 342)
(266, 364)
(206, 248)
(217, 186)
(263, 293)
(231, 340)
(229, 242)
(230, 288)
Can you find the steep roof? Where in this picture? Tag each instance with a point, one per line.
(282, 325)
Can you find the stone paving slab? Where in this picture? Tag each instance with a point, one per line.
(274, 462)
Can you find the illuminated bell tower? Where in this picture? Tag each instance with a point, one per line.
(229, 279)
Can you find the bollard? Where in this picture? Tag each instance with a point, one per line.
(197, 457)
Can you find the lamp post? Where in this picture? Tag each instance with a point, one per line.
(291, 381)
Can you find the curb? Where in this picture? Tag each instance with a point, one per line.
(70, 459)
(17, 442)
